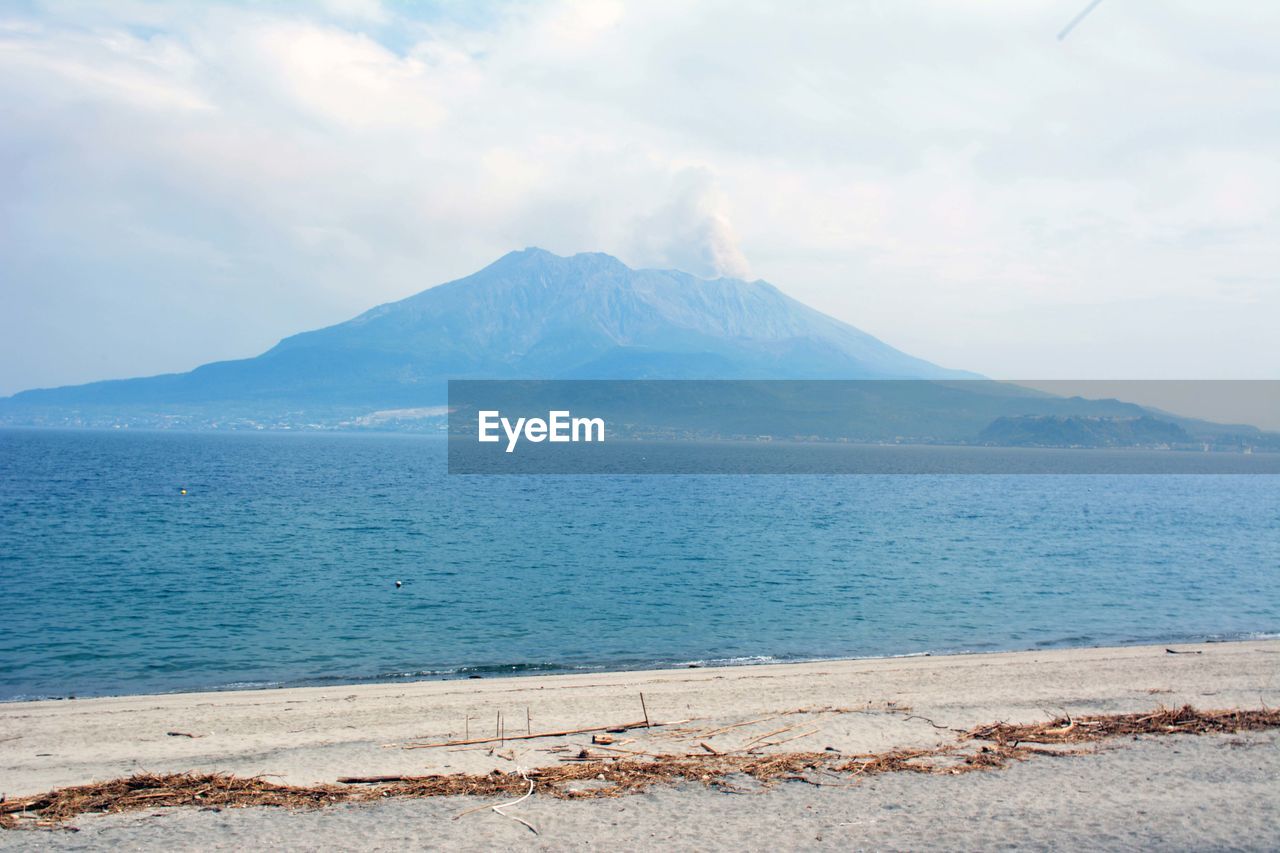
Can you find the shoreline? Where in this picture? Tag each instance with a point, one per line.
(491, 672)
(316, 734)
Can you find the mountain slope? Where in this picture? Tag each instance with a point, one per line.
(531, 314)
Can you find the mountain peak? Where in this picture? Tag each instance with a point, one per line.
(538, 256)
(535, 256)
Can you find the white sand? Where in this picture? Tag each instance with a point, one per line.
(314, 735)
(1178, 793)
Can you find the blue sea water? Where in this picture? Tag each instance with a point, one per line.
(278, 565)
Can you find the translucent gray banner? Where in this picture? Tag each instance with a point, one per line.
(863, 427)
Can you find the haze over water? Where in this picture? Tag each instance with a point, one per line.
(279, 564)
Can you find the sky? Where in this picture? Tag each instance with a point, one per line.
(183, 182)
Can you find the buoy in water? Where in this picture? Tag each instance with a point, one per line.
(182, 491)
(398, 584)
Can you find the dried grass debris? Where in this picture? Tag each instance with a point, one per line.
(997, 745)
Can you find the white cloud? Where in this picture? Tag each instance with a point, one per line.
(691, 231)
(183, 181)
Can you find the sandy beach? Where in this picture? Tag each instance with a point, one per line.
(309, 736)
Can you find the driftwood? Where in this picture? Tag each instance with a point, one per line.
(639, 724)
(1184, 720)
(724, 729)
(767, 735)
(626, 751)
(787, 739)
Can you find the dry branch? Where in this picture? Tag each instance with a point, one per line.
(724, 729)
(767, 735)
(1184, 720)
(788, 739)
(613, 728)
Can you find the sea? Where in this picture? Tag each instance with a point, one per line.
(330, 558)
